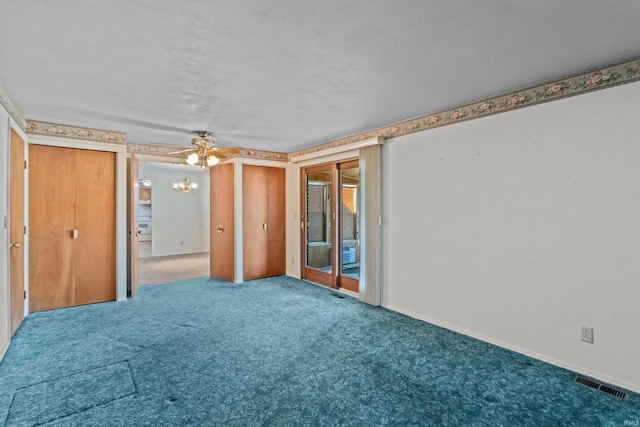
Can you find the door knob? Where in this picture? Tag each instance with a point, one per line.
(137, 233)
(14, 245)
(220, 229)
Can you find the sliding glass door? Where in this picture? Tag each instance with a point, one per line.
(331, 213)
(319, 215)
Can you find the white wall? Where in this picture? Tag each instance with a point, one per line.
(522, 227)
(5, 304)
(180, 221)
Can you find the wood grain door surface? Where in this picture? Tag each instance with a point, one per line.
(263, 221)
(69, 190)
(17, 230)
(254, 221)
(96, 225)
(222, 251)
(276, 227)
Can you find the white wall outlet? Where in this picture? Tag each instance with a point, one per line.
(587, 335)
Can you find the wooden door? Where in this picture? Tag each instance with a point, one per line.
(72, 227)
(263, 228)
(254, 222)
(17, 230)
(275, 219)
(52, 211)
(222, 250)
(95, 254)
(134, 229)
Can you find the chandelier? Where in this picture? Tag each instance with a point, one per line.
(185, 186)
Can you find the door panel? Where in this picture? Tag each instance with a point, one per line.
(254, 212)
(263, 228)
(318, 218)
(52, 213)
(16, 232)
(134, 229)
(276, 234)
(349, 226)
(222, 224)
(96, 224)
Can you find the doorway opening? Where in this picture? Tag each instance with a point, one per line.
(331, 224)
(172, 226)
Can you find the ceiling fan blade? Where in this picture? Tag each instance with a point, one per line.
(226, 150)
(182, 151)
(219, 155)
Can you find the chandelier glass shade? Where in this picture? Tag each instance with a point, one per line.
(185, 186)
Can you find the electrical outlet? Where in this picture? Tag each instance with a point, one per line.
(587, 335)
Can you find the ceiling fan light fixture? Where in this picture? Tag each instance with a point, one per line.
(193, 159)
(212, 161)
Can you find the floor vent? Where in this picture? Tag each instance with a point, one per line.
(602, 387)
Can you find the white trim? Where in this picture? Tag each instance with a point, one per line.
(13, 125)
(338, 150)
(5, 280)
(370, 284)
(121, 197)
(237, 221)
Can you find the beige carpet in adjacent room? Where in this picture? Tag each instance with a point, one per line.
(163, 269)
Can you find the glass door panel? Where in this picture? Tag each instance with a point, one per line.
(318, 224)
(349, 214)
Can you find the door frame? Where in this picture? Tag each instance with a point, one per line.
(17, 283)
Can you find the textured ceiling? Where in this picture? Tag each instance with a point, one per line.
(283, 75)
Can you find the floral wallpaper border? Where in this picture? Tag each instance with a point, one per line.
(626, 72)
(614, 75)
(52, 129)
(158, 150)
(11, 108)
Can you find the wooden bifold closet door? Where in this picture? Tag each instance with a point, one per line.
(263, 221)
(72, 247)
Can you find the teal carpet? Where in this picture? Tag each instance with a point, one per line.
(276, 352)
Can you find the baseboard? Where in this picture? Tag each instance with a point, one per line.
(548, 359)
(4, 349)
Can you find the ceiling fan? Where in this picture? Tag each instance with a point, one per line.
(205, 153)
